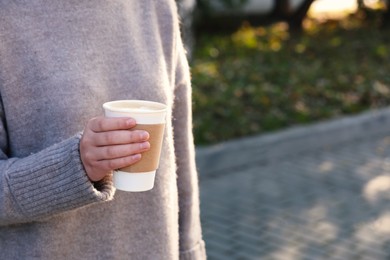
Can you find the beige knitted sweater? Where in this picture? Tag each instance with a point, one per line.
(59, 61)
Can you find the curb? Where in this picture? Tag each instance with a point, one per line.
(236, 155)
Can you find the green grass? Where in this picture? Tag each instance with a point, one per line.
(262, 79)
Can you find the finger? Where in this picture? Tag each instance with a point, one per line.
(103, 124)
(120, 137)
(120, 151)
(118, 163)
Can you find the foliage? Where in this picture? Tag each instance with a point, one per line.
(261, 79)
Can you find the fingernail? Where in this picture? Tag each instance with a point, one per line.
(130, 121)
(145, 145)
(137, 156)
(144, 135)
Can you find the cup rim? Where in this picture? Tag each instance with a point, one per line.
(157, 107)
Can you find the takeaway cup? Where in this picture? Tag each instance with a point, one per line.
(149, 116)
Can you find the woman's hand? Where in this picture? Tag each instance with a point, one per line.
(109, 143)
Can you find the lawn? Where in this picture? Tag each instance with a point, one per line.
(262, 79)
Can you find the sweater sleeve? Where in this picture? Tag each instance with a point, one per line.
(191, 242)
(46, 183)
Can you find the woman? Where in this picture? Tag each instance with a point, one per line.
(59, 62)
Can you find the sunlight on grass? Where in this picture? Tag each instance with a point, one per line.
(263, 39)
(261, 79)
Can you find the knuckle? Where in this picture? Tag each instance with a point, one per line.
(108, 138)
(110, 152)
(131, 136)
(100, 124)
(135, 136)
(120, 123)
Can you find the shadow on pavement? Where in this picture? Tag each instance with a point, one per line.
(315, 192)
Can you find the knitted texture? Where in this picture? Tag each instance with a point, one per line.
(59, 62)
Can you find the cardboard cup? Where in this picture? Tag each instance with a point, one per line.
(150, 116)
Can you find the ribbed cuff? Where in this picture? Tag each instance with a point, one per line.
(54, 181)
(198, 252)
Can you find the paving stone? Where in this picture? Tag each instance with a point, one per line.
(326, 202)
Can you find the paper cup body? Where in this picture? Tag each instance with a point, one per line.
(150, 116)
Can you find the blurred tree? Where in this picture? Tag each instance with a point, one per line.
(281, 8)
(386, 15)
(207, 8)
(283, 11)
(295, 21)
(218, 15)
(360, 4)
(227, 14)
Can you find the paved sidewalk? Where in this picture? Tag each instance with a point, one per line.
(314, 192)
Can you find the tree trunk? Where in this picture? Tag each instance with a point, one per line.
(281, 9)
(295, 21)
(360, 4)
(386, 16)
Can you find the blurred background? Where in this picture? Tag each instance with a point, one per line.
(283, 62)
(291, 124)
